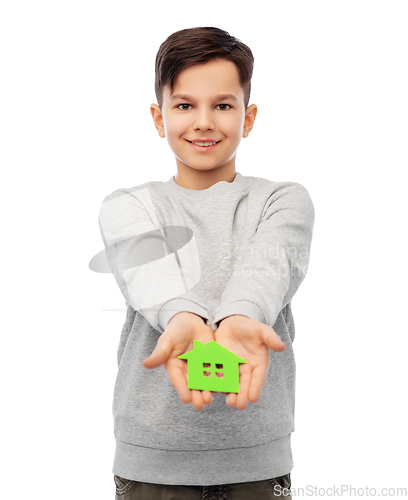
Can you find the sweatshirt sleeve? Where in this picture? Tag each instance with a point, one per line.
(274, 264)
(155, 275)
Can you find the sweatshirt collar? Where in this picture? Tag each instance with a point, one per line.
(236, 185)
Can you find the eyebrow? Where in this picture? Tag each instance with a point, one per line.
(222, 97)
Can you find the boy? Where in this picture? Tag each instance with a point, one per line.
(208, 255)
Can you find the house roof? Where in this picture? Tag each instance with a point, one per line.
(211, 350)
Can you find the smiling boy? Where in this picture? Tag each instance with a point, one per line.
(240, 253)
(206, 106)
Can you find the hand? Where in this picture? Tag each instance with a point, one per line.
(182, 329)
(251, 340)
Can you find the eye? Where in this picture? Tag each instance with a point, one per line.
(225, 109)
(183, 104)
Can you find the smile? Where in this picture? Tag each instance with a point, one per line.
(203, 146)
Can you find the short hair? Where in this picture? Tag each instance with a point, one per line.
(188, 47)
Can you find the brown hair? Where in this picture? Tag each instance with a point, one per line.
(188, 47)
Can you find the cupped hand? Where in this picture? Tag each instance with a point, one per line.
(251, 340)
(182, 329)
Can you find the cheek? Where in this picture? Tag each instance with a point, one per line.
(176, 128)
(231, 128)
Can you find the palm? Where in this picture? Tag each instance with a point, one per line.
(246, 337)
(178, 339)
(249, 348)
(176, 370)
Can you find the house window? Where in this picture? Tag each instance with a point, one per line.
(219, 374)
(207, 373)
(218, 367)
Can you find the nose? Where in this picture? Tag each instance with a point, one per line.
(203, 121)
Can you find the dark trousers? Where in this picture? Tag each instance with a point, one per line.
(278, 487)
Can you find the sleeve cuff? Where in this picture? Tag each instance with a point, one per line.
(244, 307)
(174, 306)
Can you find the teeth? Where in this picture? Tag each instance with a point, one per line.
(204, 143)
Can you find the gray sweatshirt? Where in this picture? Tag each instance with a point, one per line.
(234, 248)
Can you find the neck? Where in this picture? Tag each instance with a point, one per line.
(191, 178)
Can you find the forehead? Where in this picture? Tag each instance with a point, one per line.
(215, 78)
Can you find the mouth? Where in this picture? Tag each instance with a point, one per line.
(203, 146)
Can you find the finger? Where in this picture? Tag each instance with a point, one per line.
(257, 382)
(160, 354)
(207, 397)
(177, 377)
(244, 384)
(231, 399)
(272, 339)
(197, 398)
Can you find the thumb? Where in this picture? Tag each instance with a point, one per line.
(160, 354)
(272, 339)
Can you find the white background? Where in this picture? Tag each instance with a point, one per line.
(330, 83)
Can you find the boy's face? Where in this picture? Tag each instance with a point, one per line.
(198, 111)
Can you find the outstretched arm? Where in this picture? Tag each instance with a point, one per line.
(263, 282)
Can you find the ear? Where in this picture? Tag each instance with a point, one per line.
(157, 119)
(250, 115)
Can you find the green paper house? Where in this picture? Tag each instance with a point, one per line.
(212, 367)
